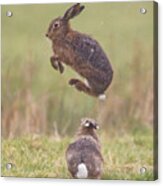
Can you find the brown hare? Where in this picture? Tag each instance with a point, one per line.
(81, 52)
(83, 157)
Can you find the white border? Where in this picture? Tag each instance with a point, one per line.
(59, 1)
(58, 182)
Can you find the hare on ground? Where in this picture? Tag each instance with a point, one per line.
(80, 52)
(84, 157)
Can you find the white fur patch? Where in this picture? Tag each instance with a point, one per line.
(82, 171)
(86, 124)
(102, 96)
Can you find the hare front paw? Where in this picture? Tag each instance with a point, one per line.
(56, 64)
(61, 68)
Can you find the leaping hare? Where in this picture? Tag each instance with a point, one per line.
(81, 52)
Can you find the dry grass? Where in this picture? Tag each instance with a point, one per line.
(25, 114)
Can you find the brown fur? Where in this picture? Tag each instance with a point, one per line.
(81, 52)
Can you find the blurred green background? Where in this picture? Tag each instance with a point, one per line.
(36, 99)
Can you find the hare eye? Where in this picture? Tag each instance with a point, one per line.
(56, 25)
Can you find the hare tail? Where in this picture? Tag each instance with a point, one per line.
(82, 171)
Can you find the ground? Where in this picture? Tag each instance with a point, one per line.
(42, 156)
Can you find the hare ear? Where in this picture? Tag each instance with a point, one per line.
(73, 11)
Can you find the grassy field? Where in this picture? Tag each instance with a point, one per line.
(38, 156)
(38, 102)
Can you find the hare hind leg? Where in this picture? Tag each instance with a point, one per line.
(81, 86)
(56, 64)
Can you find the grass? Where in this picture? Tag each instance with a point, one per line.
(42, 156)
